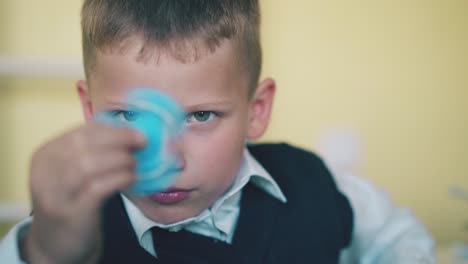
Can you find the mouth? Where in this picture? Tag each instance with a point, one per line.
(171, 196)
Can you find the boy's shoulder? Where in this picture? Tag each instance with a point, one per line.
(285, 154)
(280, 148)
(293, 167)
(311, 192)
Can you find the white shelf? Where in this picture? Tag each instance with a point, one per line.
(41, 67)
(13, 212)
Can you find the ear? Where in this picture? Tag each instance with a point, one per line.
(85, 99)
(260, 109)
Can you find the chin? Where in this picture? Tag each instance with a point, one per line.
(170, 214)
(167, 214)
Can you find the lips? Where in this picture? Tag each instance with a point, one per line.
(171, 196)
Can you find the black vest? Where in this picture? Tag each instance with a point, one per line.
(312, 227)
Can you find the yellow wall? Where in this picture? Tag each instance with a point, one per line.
(33, 109)
(393, 71)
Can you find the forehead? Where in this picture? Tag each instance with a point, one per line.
(210, 73)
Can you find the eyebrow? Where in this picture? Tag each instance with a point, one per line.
(208, 106)
(114, 105)
(188, 108)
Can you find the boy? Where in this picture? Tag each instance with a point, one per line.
(265, 204)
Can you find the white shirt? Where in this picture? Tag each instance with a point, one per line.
(377, 224)
(382, 233)
(220, 219)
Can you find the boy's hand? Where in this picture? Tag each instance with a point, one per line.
(71, 177)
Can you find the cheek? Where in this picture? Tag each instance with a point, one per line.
(215, 156)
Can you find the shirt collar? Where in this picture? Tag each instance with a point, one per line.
(222, 215)
(261, 178)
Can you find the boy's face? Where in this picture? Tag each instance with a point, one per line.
(221, 117)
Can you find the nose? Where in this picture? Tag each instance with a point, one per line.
(175, 147)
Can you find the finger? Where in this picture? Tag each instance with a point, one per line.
(101, 188)
(102, 136)
(97, 165)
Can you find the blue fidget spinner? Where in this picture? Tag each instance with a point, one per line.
(161, 120)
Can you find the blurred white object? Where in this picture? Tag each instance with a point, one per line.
(41, 67)
(459, 192)
(13, 212)
(382, 233)
(341, 149)
(460, 250)
(460, 253)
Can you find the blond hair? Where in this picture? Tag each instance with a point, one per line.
(174, 26)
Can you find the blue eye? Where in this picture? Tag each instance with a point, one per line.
(201, 116)
(126, 116)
